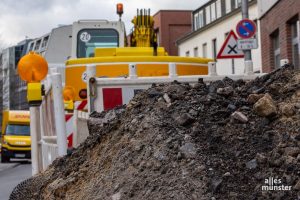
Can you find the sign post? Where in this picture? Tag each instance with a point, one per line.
(246, 29)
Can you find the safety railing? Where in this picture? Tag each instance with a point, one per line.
(48, 141)
(126, 87)
(49, 125)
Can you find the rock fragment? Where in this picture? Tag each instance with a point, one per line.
(185, 119)
(292, 151)
(253, 98)
(265, 106)
(252, 164)
(189, 150)
(226, 91)
(239, 116)
(167, 98)
(216, 184)
(287, 109)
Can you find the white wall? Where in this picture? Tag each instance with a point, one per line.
(224, 66)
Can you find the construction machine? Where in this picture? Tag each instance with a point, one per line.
(106, 48)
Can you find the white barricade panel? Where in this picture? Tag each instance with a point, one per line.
(48, 130)
(81, 131)
(49, 152)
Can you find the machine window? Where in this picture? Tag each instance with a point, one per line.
(12, 129)
(89, 39)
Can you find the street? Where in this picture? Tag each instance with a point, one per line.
(11, 175)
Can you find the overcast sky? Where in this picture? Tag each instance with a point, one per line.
(34, 18)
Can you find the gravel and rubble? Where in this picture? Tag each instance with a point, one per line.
(179, 141)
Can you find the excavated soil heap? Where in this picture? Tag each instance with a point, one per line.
(177, 141)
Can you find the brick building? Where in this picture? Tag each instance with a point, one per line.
(171, 25)
(280, 34)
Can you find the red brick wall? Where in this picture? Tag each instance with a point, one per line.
(278, 18)
(172, 25)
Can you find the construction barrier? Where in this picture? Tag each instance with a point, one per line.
(80, 127)
(48, 128)
(53, 138)
(107, 93)
(76, 124)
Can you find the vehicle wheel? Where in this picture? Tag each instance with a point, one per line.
(4, 159)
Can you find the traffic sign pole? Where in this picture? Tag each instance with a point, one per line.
(248, 57)
(245, 15)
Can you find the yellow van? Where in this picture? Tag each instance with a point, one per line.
(15, 138)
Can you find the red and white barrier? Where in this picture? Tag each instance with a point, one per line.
(107, 93)
(70, 128)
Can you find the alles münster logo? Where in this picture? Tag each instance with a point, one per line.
(274, 184)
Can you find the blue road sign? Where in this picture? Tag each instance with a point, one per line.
(246, 28)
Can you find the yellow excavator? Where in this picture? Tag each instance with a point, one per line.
(105, 45)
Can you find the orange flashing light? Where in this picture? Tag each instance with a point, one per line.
(32, 68)
(69, 93)
(120, 9)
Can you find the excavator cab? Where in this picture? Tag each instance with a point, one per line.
(87, 35)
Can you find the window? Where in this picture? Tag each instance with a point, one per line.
(204, 50)
(89, 39)
(295, 43)
(237, 3)
(228, 6)
(45, 41)
(196, 52)
(276, 48)
(196, 21)
(213, 11)
(207, 10)
(201, 19)
(214, 48)
(218, 9)
(23, 130)
(37, 45)
(187, 54)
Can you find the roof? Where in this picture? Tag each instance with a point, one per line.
(160, 11)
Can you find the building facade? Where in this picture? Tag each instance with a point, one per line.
(212, 22)
(13, 90)
(280, 33)
(170, 26)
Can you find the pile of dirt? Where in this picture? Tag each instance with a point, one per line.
(224, 140)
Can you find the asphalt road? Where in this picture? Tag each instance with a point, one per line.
(10, 175)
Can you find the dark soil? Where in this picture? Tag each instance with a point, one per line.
(177, 141)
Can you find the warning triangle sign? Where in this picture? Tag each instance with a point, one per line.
(229, 48)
